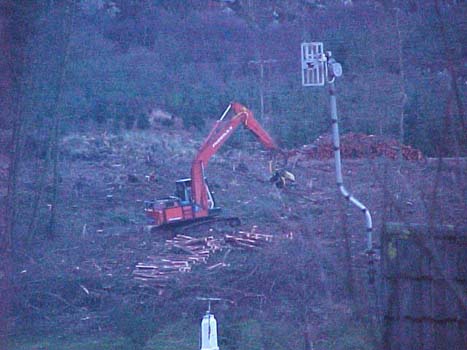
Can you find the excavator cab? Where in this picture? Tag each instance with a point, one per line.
(183, 190)
(179, 207)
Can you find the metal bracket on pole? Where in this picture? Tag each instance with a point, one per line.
(209, 300)
(319, 67)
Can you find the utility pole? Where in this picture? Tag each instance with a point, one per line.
(261, 63)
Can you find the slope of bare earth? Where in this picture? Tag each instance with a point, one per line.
(78, 278)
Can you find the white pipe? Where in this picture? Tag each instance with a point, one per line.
(340, 181)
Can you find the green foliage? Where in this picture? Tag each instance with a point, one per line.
(244, 334)
(102, 80)
(281, 335)
(180, 335)
(71, 343)
(136, 325)
(142, 121)
(121, 219)
(250, 336)
(119, 66)
(345, 336)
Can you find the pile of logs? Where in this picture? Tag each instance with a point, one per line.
(196, 247)
(247, 240)
(186, 251)
(160, 270)
(356, 146)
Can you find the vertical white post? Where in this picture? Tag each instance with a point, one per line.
(209, 332)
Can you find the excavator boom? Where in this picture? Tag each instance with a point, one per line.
(220, 133)
(193, 200)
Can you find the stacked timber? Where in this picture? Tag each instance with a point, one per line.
(195, 246)
(187, 251)
(183, 252)
(248, 240)
(160, 270)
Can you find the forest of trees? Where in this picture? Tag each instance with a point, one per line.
(109, 62)
(70, 66)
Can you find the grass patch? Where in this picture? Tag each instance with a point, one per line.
(345, 337)
(182, 335)
(71, 343)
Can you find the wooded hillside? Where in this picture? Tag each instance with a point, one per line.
(103, 105)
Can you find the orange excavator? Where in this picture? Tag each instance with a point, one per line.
(193, 200)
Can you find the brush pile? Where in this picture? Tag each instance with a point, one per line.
(356, 146)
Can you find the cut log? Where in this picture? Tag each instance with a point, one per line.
(215, 266)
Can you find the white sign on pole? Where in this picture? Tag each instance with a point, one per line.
(314, 67)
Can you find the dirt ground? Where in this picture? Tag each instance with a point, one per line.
(106, 178)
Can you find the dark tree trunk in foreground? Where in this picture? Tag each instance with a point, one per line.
(68, 21)
(8, 127)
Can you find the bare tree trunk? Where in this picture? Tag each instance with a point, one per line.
(7, 227)
(68, 28)
(461, 137)
(403, 94)
(8, 208)
(52, 148)
(32, 227)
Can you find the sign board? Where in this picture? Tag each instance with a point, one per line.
(314, 67)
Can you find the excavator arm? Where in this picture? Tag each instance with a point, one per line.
(234, 116)
(193, 200)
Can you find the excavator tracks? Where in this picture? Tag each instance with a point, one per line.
(217, 224)
(214, 224)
